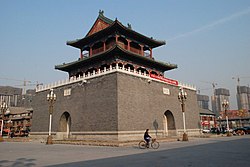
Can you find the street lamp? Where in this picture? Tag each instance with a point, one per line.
(51, 98)
(219, 118)
(3, 110)
(219, 127)
(225, 105)
(182, 96)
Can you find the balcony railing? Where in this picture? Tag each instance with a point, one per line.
(106, 71)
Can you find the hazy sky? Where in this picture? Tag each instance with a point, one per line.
(209, 40)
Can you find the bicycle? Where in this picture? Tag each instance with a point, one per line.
(153, 143)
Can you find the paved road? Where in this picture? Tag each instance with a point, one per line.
(209, 152)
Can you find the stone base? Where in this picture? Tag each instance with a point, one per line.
(49, 140)
(110, 143)
(229, 134)
(185, 137)
(109, 136)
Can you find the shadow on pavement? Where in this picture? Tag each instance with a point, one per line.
(214, 154)
(20, 162)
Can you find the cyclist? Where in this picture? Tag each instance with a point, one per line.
(147, 137)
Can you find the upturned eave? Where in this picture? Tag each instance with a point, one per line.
(116, 28)
(122, 53)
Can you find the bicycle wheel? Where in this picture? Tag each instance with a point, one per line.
(142, 144)
(155, 145)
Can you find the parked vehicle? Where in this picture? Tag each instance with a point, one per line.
(21, 133)
(205, 130)
(220, 130)
(241, 131)
(230, 130)
(5, 132)
(247, 129)
(213, 130)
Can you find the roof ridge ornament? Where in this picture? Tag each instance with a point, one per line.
(101, 12)
(129, 26)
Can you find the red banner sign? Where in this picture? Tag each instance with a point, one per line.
(205, 123)
(167, 80)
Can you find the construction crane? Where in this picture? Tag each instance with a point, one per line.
(24, 84)
(199, 90)
(238, 79)
(213, 85)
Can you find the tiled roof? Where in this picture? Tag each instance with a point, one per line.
(116, 48)
(206, 111)
(103, 18)
(19, 110)
(115, 26)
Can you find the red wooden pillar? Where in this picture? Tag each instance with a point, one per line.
(104, 46)
(116, 38)
(128, 44)
(81, 56)
(90, 51)
(142, 52)
(151, 53)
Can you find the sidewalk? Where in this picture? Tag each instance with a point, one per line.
(88, 142)
(35, 153)
(108, 143)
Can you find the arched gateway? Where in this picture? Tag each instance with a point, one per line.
(65, 124)
(169, 124)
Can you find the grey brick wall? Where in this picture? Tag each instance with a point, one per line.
(92, 106)
(115, 102)
(141, 104)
